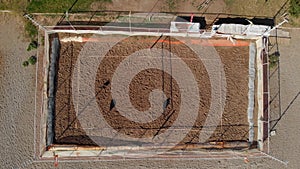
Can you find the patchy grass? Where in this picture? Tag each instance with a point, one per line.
(254, 8)
(229, 2)
(60, 5)
(294, 21)
(45, 6)
(273, 60)
(294, 9)
(31, 30)
(172, 4)
(266, 8)
(15, 5)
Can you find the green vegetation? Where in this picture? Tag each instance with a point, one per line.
(60, 5)
(44, 6)
(31, 30)
(172, 4)
(294, 21)
(33, 45)
(15, 5)
(32, 60)
(229, 2)
(254, 8)
(294, 9)
(25, 63)
(273, 60)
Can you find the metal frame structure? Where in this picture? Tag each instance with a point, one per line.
(42, 152)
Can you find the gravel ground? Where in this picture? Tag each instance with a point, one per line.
(234, 122)
(285, 145)
(17, 86)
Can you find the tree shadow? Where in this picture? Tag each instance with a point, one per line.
(97, 141)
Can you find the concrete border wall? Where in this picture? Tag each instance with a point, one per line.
(251, 90)
(43, 114)
(51, 90)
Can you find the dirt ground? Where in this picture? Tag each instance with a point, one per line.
(17, 88)
(252, 8)
(184, 7)
(234, 121)
(165, 5)
(284, 145)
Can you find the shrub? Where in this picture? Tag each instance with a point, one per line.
(32, 45)
(25, 63)
(32, 60)
(273, 60)
(294, 8)
(31, 30)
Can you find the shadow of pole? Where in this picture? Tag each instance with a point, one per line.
(281, 8)
(83, 109)
(285, 111)
(64, 15)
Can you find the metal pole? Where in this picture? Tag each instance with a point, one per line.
(34, 22)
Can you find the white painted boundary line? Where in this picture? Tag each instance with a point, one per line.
(204, 35)
(126, 33)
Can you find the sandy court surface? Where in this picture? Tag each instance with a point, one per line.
(17, 111)
(234, 121)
